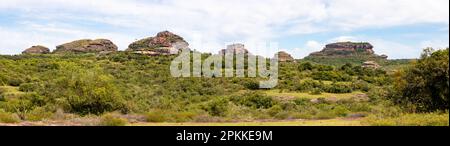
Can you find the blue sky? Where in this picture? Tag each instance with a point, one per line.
(397, 28)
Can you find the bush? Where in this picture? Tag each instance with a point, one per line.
(252, 85)
(339, 88)
(111, 120)
(274, 110)
(86, 92)
(8, 117)
(430, 119)
(38, 114)
(316, 91)
(254, 100)
(217, 107)
(308, 85)
(15, 82)
(28, 87)
(425, 86)
(169, 116)
(156, 116)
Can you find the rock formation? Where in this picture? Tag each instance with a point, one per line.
(236, 48)
(164, 43)
(87, 46)
(345, 49)
(285, 57)
(37, 50)
(370, 64)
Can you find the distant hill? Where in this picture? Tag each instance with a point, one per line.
(346, 52)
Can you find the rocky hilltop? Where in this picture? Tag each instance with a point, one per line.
(346, 49)
(285, 57)
(87, 46)
(234, 48)
(164, 43)
(36, 50)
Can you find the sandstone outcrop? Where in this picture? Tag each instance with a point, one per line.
(164, 43)
(346, 49)
(234, 48)
(87, 46)
(285, 57)
(37, 50)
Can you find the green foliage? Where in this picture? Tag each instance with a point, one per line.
(254, 100)
(430, 119)
(252, 85)
(8, 117)
(28, 87)
(169, 116)
(38, 114)
(425, 86)
(15, 82)
(217, 107)
(85, 84)
(112, 120)
(86, 92)
(331, 76)
(339, 88)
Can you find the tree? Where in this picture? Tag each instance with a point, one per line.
(425, 86)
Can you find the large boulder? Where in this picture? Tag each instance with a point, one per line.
(371, 64)
(37, 50)
(87, 46)
(285, 57)
(234, 48)
(346, 49)
(164, 43)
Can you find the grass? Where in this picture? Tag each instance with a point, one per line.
(428, 119)
(8, 117)
(10, 91)
(112, 120)
(331, 122)
(276, 93)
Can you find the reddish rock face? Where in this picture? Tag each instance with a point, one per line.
(162, 40)
(236, 48)
(345, 48)
(285, 57)
(87, 46)
(37, 50)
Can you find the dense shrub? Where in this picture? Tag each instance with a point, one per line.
(425, 86)
(87, 92)
(28, 87)
(8, 117)
(339, 88)
(254, 100)
(430, 119)
(15, 81)
(217, 107)
(169, 116)
(112, 120)
(308, 85)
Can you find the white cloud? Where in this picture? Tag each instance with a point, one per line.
(393, 49)
(344, 39)
(436, 44)
(216, 22)
(309, 47)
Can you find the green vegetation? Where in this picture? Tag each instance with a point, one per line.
(8, 117)
(431, 119)
(112, 120)
(425, 86)
(72, 86)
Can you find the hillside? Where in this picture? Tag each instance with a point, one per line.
(347, 52)
(139, 88)
(89, 82)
